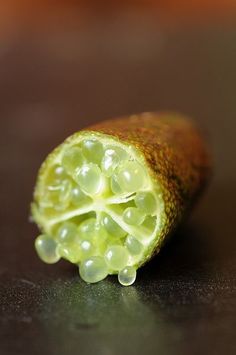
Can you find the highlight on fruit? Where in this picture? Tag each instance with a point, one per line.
(109, 196)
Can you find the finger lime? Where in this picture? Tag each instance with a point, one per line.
(108, 197)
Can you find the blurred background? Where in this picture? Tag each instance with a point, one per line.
(67, 64)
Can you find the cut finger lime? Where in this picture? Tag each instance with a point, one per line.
(108, 196)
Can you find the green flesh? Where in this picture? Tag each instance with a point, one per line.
(98, 207)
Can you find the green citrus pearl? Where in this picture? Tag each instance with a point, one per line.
(72, 159)
(93, 269)
(79, 198)
(102, 242)
(52, 194)
(112, 227)
(70, 252)
(58, 196)
(115, 187)
(116, 257)
(150, 223)
(133, 245)
(89, 178)
(67, 233)
(55, 175)
(92, 150)
(46, 248)
(88, 229)
(123, 155)
(131, 176)
(109, 162)
(146, 202)
(87, 248)
(65, 192)
(133, 216)
(127, 276)
(59, 172)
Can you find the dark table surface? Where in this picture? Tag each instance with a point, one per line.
(54, 83)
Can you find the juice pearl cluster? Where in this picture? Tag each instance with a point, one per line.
(102, 210)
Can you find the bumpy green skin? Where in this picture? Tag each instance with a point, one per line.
(177, 158)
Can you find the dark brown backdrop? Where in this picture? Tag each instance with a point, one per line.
(53, 81)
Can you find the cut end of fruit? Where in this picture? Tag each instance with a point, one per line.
(97, 206)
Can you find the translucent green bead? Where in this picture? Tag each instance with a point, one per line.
(89, 178)
(133, 216)
(93, 269)
(55, 175)
(52, 195)
(133, 245)
(92, 150)
(72, 159)
(101, 243)
(112, 227)
(87, 248)
(116, 257)
(115, 187)
(67, 233)
(78, 198)
(127, 276)
(150, 223)
(65, 192)
(70, 252)
(123, 155)
(109, 162)
(59, 172)
(58, 196)
(88, 228)
(46, 248)
(131, 176)
(48, 212)
(146, 202)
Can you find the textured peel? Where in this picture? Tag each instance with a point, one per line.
(137, 177)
